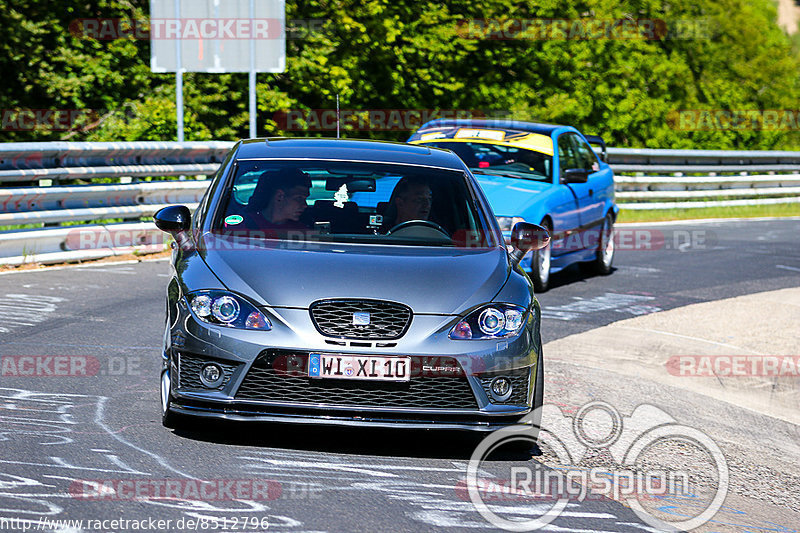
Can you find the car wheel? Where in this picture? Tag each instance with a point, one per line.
(540, 264)
(169, 418)
(605, 250)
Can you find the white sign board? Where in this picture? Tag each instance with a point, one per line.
(217, 36)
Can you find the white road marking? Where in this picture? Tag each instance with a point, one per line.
(691, 338)
(696, 221)
(160, 460)
(784, 267)
(621, 303)
(342, 467)
(123, 270)
(81, 267)
(635, 269)
(26, 310)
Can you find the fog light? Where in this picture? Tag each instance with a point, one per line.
(211, 375)
(501, 388)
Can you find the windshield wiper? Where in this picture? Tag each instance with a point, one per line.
(521, 175)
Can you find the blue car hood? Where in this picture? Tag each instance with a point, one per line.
(434, 280)
(510, 196)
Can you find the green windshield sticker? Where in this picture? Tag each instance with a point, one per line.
(233, 220)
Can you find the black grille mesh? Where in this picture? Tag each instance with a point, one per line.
(269, 380)
(519, 381)
(189, 366)
(388, 320)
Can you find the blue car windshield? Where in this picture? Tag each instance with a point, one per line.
(488, 158)
(358, 202)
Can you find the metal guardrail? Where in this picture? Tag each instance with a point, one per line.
(47, 199)
(725, 178)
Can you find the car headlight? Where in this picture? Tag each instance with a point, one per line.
(223, 308)
(506, 223)
(494, 321)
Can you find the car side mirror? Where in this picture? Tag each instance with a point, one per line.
(173, 219)
(575, 175)
(526, 237)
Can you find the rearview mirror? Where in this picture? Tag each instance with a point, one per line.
(575, 175)
(353, 185)
(526, 237)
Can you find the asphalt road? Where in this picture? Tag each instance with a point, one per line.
(64, 436)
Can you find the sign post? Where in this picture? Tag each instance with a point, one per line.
(220, 36)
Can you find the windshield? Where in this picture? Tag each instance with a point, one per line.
(337, 201)
(502, 159)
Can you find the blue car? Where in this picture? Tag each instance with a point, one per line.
(543, 174)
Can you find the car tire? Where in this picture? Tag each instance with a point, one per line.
(169, 418)
(605, 249)
(540, 264)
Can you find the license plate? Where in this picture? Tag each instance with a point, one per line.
(369, 367)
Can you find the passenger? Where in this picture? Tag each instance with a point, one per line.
(279, 201)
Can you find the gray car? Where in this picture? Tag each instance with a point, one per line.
(345, 282)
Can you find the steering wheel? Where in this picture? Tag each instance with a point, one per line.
(409, 223)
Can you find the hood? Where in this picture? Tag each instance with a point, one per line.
(432, 280)
(509, 196)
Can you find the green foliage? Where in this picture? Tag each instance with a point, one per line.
(376, 54)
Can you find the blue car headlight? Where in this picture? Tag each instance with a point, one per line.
(494, 321)
(223, 308)
(506, 223)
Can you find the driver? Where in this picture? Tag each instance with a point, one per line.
(411, 200)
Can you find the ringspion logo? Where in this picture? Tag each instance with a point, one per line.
(633, 477)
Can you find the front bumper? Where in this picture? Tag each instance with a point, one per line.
(320, 416)
(249, 391)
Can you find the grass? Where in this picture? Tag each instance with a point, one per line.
(754, 211)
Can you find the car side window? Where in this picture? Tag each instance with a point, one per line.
(566, 153)
(585, 156)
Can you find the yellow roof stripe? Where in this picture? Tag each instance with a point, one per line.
(532, 141)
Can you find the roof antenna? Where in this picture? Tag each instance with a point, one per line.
(337, 115)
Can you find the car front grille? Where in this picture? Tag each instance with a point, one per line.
(335, 318)
(520, 380)
(278, 376)
(189, 366)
